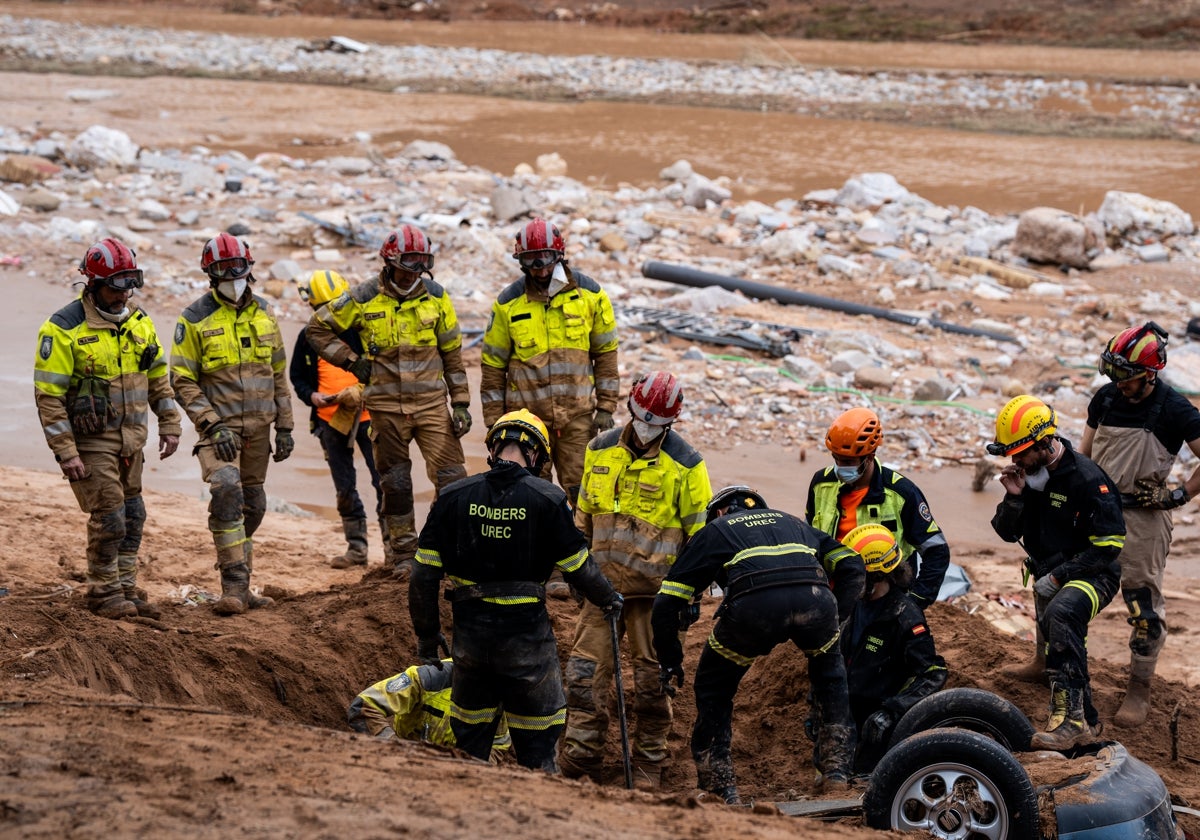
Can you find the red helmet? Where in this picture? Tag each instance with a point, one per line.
(408, 248)
(112, 263)
(656, 398)
(1135, 352)
(538, 245)
(225, 257)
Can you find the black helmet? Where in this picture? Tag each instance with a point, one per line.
(734, 497)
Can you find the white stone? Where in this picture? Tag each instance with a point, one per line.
(100, 146)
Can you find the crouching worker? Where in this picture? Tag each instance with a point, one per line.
(413, 705)
(890, 658)
(783, 581)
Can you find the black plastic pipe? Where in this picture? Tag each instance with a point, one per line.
(692, 277)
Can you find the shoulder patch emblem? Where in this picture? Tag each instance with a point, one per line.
(213, 332)
(46, 348)
(88, 339)
(179, 332)
(398, 683)
(923, 509)
(1103, 488)
(919, 630)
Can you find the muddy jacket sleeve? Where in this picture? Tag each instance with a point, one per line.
(604, 355)
(284, 422)
(338, 315)
(449, 339)
(577, 566)
(185, 372)
(302, 370)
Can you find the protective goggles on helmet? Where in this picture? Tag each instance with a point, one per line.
(234, 269)
(1118, 368)
(538, 259)
(124, 281)
(417, 261)
(1035, 434)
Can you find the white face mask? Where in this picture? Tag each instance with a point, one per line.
(115, 317)
(646, 433)
(1037, 479)
(231, 290)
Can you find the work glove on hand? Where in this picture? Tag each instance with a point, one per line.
(667, 673)
(1158, 496)
(612, 610)
(284, 444)
(224, 442)
(1046, 586)
(602, 422)
(875, 729)
(460, 420)
(361, 368)
(427, 650)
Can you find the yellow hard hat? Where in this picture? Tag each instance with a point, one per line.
(876, 545)
(1021, 423)
(322, 287)
(522, 426)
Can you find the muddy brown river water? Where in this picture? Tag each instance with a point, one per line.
(767, 156)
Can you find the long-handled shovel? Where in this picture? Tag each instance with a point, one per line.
(620, 685)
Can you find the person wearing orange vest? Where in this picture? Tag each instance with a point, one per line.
(328, 389)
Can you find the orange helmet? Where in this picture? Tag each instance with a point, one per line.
(855, 434)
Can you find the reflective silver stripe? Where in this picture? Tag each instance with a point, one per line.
(132, 395)
(444, 338)
(491, 396)
(648, 568)
(408, 386)
(56, 429)
(608, 385)
(500, 354)
(429, 557)
(280, 355)
(164, 405)
(574, 562)
(191, 366)
(62, 380)
(457, 378)
(696, 518)
(549, 392)
(679, 590)
(567, 368)
(601, 339)
(136, 418)
(666, 541)
(157, 368)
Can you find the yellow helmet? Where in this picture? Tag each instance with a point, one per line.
(1021, 423)
(876, 545)
(322, 287)
(524, 427)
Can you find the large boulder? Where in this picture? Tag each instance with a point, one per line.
(1135, 217)
(99, 146)
(1048, 235)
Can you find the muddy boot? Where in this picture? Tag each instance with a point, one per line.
(1136, 705)
(253, 601)
(144, 608)
(235, 590)
(402, 539)
(1033, 671)
(127, 572)
(111, 606)
(647, 775)
(556, 587)
(1073, 730)
(836, 748)
(356, 545)
(578, 766)
(714, 773)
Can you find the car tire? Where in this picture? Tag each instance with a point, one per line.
(952, 783)
(968, 708)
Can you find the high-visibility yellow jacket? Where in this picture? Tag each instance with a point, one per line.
(77, 341)
(556, 357)
(414, 345)
(637, 512)
(414, 704)
(229, 365)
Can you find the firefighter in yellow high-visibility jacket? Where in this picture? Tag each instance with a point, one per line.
(551, 347)
(98, 374)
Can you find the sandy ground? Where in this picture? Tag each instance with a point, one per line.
(218, 727)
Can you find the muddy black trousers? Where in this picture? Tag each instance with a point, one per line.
(1064, 624)
(339, 454)
(751, 626)
(506, 660)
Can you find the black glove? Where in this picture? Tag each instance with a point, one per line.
(612, 610)
(1159, 497)
(666, 673)
(602, 421)
(427, 650)
(224, 442)
(876, 728)
(361, 368)
(284, 444)
(689, 614)
(91, 410)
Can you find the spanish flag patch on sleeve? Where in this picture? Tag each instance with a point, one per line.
(919, 629)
